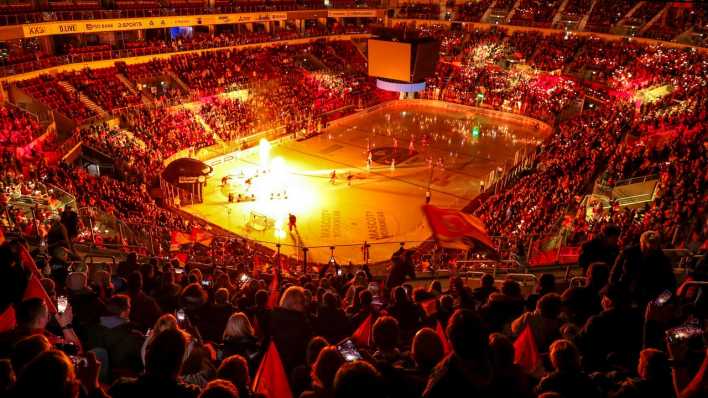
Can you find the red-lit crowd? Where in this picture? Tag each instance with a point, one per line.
(148, 326)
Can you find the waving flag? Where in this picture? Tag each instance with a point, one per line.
(196, 236)
(34, 290)
(430, 306)
(456, 230)
(362, 335)
(441, 333)
(526, 353)
(274, 291)
(271, 379)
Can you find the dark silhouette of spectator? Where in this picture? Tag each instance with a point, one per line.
(654, 379)
(163, 365)
(485, 289)
(567, 379)
(644, 270)
(467, 368)
(508, 379)
(324, 370)
(358, 379)
(290, 328)
(144, 310)
(602, 248)
(612, 338)
(119, 337)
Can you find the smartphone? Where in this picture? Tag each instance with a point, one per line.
(348, 350)
(245, 278)
(78, 361)
(181, 315)
(339, 272)
(685, 334)
(179, 270)
(663, 298)
(206, 283)
(62, 302)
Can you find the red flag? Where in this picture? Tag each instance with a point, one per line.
(34, 290)
(362, 335)
(526, 354)
(457, 230)
(201, 237)
(182, 258)
(430, 306)
(441, 333)
(178, 238)
(271, 379)
(274, 291)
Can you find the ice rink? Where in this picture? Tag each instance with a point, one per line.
(372, 198)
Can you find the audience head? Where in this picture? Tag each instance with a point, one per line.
(386, 333)
(235, 370)
(50, 374)
(193, 296)
(427, 348)
(565, 356)
(325, 367)
(511, 288)
(549, 306)
(219, 389)
(25, 350)
(399, 295)
(502, 350)
(119, 305)
(365, 297)
(32, 314)
(314, 346)
(358, 379)
(238, 325)
(648, 241)
(293, 299)
(165, 353)
(221, 296)
(467, 335)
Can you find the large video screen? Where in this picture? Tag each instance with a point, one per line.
(390, 60)
(426, 59)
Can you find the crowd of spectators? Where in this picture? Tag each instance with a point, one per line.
(153, 326)
(17, 128)
(103, 87)
(47, 90)
(142, 328)
(535, 13)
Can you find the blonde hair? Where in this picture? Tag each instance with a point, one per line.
(293, 298)
(165, 322)
(238, 325)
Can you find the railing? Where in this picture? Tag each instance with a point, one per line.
(51, 62)
(636, 180)
(52, 16)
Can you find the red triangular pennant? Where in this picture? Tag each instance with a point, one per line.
(430, 306)
(271, 379)
(526, 354)
(34, 290)
(274, 290)
(441, 333)
(362, 335)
